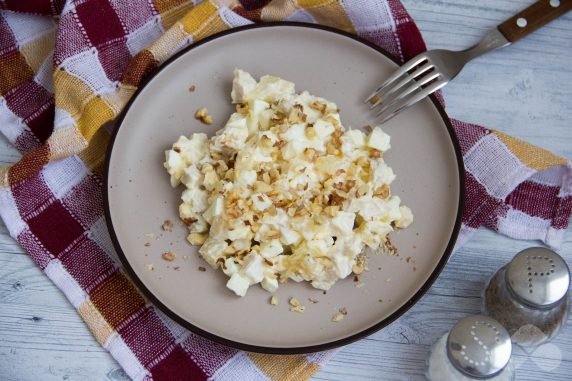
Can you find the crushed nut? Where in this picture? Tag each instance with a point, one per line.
(192, 88)
(149, 266)
(150, 235)
(337, 317)
(167, 226)
(169, 256)
(147, 244)
(202, 115)
(274, 300)
(313, 301)
(294, 302)
(202, 269)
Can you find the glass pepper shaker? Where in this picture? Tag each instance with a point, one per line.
(477, 348)
(529, 296)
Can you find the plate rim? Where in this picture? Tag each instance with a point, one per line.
(268, 349)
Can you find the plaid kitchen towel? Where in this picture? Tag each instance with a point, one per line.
(68, 67)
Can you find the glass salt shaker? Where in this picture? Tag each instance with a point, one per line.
(477, 348)
(529, 296)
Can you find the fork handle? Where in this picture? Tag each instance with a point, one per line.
(532, 18)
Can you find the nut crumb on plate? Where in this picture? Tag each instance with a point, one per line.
(295, 306)
(167, 226)
(340, 315)
(337, 317)
(313, 301)
(202, 269)
(298, 309)
(192, 88)
(147, 244)
(202, 115)
(274, 300)
(149, 266)
(169, 256)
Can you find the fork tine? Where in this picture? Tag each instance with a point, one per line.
(391, 90)
(388, 102)
(398, 73)
(410, 100)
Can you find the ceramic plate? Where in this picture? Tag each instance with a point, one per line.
(425, 156)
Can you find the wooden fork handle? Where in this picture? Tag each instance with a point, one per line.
(533, 17)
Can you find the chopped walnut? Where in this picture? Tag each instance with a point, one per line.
(274, 300)
(337, 317)
(299, 309)
(202, 114)
(169, 256)
(167, 226)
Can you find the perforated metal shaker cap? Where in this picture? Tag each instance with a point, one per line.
(538, 277)
(479, 346)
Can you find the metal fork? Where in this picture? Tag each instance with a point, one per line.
(430, 71)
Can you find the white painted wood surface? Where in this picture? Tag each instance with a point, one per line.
(524, 90)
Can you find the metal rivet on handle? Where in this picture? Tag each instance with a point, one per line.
(521, 22)
(554, 3)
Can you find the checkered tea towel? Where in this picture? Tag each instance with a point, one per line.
(68, 67)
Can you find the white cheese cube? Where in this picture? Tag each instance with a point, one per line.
(382, 173)
(253, 268)
(270, 284)
(212, 250)
(242, 85)
(238, 283)
(214, 210)
(175, 166)
(194, 149)
(343, 223)
(406, 217)
(270, 249)
(230, 267)
(289, 236)
(379, 140)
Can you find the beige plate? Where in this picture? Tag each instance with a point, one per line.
(339, 67)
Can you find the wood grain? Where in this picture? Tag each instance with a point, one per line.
(523, 90)
(534, 17)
